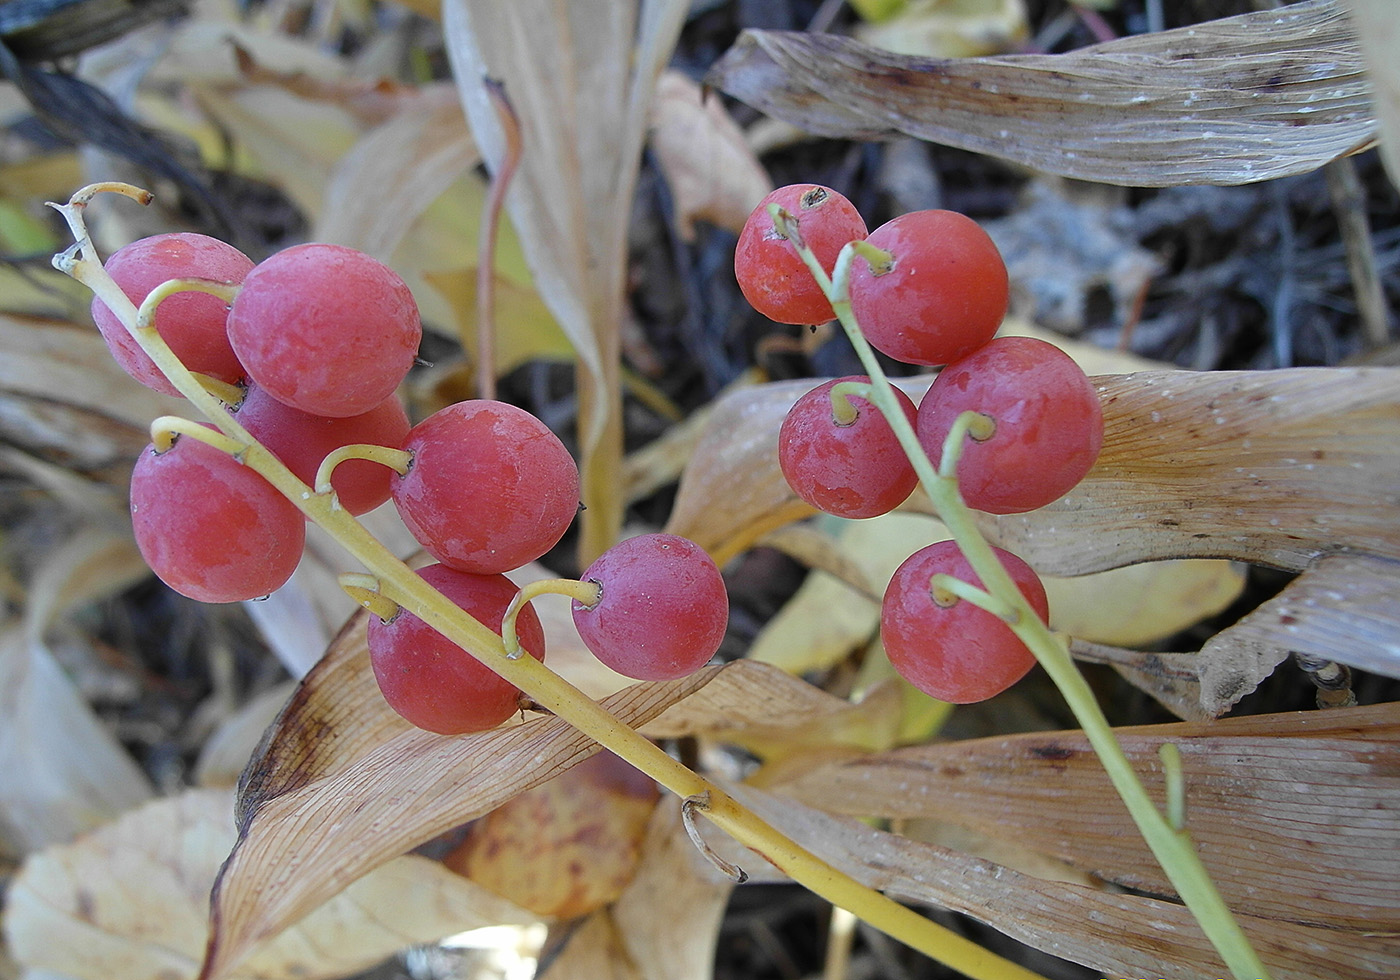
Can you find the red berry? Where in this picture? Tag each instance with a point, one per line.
(663, 611)
(431, 681)
(957, 653)
(490, 488)
(1049, 424)
(772, 275)
(301, 441)
(854, 470)
(210, 527)
(944, 295)
(325, 329)
(192, 323)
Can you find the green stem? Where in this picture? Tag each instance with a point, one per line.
(392, 580)
(1173, 848)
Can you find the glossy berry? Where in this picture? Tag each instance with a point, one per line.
(325, 329)
(854, 470)
(957, 653)
(663, 611)
(772, 275)
(1049, 424)
(301, 441)
(431, 681)
(489, 489)
(192, 323)
(943, 295)
(210, 527)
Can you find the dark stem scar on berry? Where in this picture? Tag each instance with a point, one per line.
(843, 410)
(879, 260)
(701, 803)
(786, 226)
(813, 198)
(364, 589)
(585, 593)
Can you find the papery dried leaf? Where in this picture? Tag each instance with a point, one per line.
(1296, 816)
(743, 697)
(131, 900)
(64, 771)
(567, 847)
(315, 810)
(1377, 31)
(664, 926)
(1272, 467)
(391, 176)
(712, 173)
(1232, 101)
(1120, 935)
(1346, 608)
(580, 78)
(1172, 678)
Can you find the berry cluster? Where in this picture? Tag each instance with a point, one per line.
(308, 355)
(926, 288)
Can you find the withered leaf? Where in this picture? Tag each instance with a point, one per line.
(1284, 808)
(1232, 101)
(1121, 935)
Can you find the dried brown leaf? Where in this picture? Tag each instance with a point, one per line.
(1120, 935)
(664, 926)
(1232, 101)
(712, 173)
(1379, 34)
(580, 78)
(567, 847)
(1295, 815)
(131, 899)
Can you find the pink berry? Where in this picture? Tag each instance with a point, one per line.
(210, 527)
(1049, 424)
(943, 296)
(958, 652)
(853, 470)
(191, 323)
(490, 488)
(325, 329)
(772, 275)
(431, 681)
(663, 611)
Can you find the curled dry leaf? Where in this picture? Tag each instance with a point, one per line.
(64, 772)
(664, 925)
(1120, 935)
(567, 847)
(1232, 101)
(131, 900)
(580, 78)
(712, 173)
(1295, 815)
(1378, 32)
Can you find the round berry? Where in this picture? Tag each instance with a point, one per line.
(431, 681)
(191, 323)
(955, 652)
(943, 294)
(856, 469)
(771, 274)
(301, 441)
(1049, 424)
(663, 609)
(325, 329)
(490, 488)
(210, 527)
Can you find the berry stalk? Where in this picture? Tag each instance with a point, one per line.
(389, 580)
(1171, 845)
